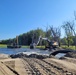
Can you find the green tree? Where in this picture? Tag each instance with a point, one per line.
(68, 31)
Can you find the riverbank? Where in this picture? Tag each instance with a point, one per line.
(40, 47)
(22, 64)
(70, 47)
(5, 46)
(48, 66)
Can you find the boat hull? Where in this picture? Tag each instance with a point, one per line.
(13, 46)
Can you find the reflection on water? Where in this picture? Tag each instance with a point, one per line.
(60, 55)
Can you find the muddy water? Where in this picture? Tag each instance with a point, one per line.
(28, 51)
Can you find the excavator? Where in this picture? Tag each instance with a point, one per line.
(51, 44)
(34, 44)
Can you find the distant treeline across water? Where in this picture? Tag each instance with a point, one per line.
(26, 38)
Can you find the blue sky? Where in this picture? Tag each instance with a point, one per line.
(20, 16)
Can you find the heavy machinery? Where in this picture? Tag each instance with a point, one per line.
(34, 44)
(51, 44)
(14, 44)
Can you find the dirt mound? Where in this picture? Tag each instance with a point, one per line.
(4, 56)
(29, 56)
(34, 66)
(71, 55)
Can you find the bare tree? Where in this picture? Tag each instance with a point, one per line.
(68, 28)
(47, 32)
(72, 27)
(56, 33)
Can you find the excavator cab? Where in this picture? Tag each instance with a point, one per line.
(52, 45)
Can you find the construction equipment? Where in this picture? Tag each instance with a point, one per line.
(14, 44)
(34, 44)
(51, 44)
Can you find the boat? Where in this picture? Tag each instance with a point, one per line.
(14, 45)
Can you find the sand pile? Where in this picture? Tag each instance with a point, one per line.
(4, 56)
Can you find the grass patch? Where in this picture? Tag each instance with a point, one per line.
(3, 46)
(40, 47)
(70, 47)
(25, 46)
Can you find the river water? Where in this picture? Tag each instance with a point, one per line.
(28, 51)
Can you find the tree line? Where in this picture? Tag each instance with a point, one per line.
(25, 38)
(51, 33)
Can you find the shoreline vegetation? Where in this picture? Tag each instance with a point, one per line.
(41, 47)
(3, 46)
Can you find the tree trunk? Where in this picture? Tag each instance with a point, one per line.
(59, 42)
(75, 42)
(68, 43)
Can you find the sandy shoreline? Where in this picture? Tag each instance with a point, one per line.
(35, 66)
